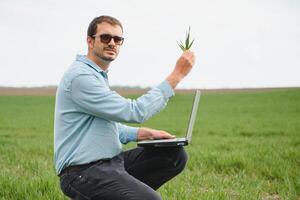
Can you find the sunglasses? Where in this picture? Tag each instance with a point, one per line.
(106, 38)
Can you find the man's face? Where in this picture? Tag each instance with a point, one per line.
(103, 50)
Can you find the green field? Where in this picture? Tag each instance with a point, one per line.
(245, 146)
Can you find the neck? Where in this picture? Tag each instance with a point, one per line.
(100, 62)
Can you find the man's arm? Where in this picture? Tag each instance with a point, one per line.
(95, 98)
(183, 66)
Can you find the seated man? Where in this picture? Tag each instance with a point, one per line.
(88, 126)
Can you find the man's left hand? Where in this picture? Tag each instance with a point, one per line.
(152, 134)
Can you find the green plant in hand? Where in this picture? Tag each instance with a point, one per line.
(188, 43)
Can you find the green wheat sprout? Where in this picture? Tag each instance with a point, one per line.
(187, 44)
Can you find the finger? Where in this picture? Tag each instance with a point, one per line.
(189, 57)
(193, 59)
(167, 135)
(189, 53)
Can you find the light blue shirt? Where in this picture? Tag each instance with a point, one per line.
(88, 115)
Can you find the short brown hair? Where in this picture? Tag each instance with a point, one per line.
(97, 20)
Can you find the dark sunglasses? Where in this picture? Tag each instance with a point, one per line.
(106, 38)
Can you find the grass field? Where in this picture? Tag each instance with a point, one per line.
(245, 146)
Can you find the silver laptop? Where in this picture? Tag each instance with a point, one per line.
(176, 141)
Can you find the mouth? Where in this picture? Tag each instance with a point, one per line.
(110, 51)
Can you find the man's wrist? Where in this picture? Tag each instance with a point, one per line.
(174, 79)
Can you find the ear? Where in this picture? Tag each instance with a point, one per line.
(90, 41)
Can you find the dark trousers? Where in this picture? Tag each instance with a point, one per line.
(131, 175)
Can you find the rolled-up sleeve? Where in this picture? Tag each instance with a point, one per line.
(94, 97)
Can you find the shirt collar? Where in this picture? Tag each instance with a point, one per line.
(84, 59)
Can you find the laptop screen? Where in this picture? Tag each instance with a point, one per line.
(193, 116)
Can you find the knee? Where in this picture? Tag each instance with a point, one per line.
(180, 159)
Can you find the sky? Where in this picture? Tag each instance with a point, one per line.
(238, 43)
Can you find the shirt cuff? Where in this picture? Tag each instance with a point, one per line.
(166, 89)
(131, 133)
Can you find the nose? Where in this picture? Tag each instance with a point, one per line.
(112, 42)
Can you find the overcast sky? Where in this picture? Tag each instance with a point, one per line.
(238, 43)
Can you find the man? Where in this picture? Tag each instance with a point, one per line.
(89, 131)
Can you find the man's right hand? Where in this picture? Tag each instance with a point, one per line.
(183, 66)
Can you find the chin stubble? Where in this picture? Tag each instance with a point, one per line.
(107, 59)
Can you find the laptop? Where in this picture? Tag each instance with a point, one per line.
(176, 141)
